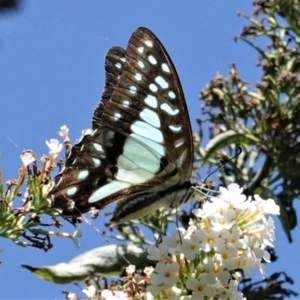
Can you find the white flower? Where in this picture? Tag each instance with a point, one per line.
(173, 243)
(214, 270)
(190, 247)
(130, 270)
(159, 253)
(200, 288)
(75, 236)
(173, 293)
(206, 211)
(232, 190)
(55, 147)
(113, 295)
(72, 296)
(227, 257)
(232, 196)
(267, 206)
(233, 237)
(148, 271)
(223, 220)
(90, 291)
(270, 228)
(163, 277)
(231, 233)
(248, 261)
(85, 132)
(209, 239)
(149, 296)
(64, 132)
(230, 292)
(27, 158)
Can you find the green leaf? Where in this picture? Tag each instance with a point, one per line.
(107, 260)
(225, 139)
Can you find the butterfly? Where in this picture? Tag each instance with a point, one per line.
(140, 152)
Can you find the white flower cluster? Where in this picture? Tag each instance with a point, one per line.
(201, 262)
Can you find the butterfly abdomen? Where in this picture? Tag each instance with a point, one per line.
(141, 205)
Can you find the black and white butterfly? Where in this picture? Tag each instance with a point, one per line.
(140, 153)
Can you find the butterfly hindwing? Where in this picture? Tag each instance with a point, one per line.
(141, 145)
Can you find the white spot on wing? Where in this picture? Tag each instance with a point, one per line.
(141, 64)
(118, 65)
(138, 76)
(98, 147)
(133, 168)
(175, 128)
(125, 162)
(140, 49)
(149, 43)
(126, 103)
(71, 191)
(169, 110)
(153, 87)
(97, 162)
(132, 89)
(132, 162)
(139, 175)
(161, 81)
(155, 146)
(150, 117)
(117, 116)
(179, 142)
(171, 94)
(83, 174)
(107, 190)
(165, 68)
(148, 131)
(151, 101)
(181, 158)
(152, 60)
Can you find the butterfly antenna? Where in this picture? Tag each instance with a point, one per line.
(203, 188)
(224, 162)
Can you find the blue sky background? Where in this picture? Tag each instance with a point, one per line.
(52, 73)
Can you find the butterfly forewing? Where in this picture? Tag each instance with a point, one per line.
(141, 144)
(114, 61)
(160, 91)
